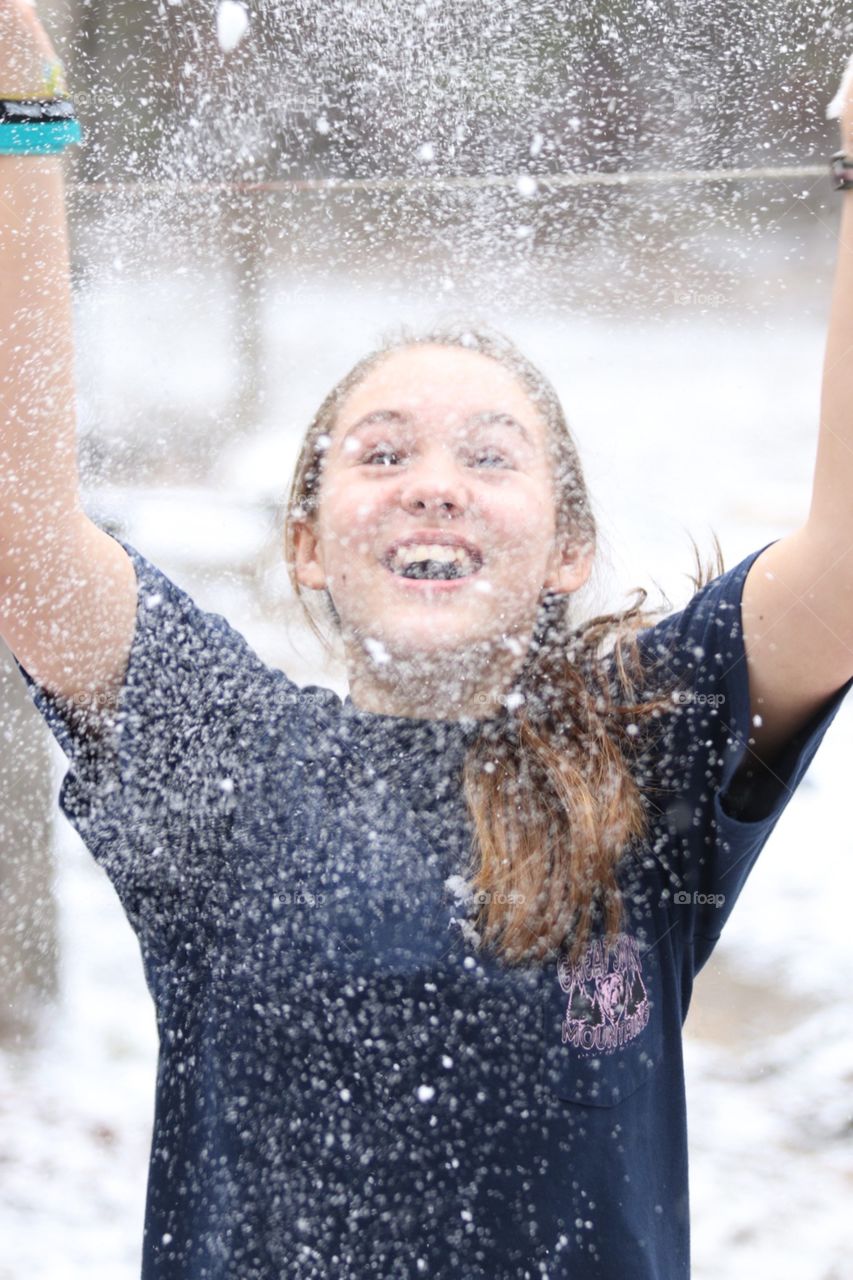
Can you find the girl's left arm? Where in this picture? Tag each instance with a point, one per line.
(798, 595)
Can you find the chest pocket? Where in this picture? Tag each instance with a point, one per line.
(602, 1023)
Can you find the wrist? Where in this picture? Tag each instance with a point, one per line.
(40, 138)
(45, 78)
(37, 126)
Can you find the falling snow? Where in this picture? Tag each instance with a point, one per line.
(265, 920)
(232, 23)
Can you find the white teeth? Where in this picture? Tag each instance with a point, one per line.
(416, 551)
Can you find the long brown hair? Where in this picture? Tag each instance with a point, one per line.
(549, 786)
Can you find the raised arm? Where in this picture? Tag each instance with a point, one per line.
(798, 596)
(832, 493)
(67, 589)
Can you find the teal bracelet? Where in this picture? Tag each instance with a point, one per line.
(39, 137)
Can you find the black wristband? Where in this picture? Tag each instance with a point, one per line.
(35, 110)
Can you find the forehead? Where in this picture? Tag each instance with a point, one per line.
(439, 384)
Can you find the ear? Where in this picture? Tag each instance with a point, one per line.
(569, 569)
(307, 556)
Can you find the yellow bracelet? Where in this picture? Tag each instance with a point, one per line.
(54, 84)
(54, 79)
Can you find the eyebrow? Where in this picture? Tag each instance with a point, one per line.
(487, 417)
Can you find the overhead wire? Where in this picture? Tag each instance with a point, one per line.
(527, 184)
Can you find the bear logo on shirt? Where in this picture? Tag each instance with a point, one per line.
(607, 1004)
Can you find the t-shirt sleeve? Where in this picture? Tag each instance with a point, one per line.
(153, 796)
(707, 834)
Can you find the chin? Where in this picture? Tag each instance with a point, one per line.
(435, 636)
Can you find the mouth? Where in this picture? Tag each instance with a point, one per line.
(433, 561)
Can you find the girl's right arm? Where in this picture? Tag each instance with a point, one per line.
(67, 589)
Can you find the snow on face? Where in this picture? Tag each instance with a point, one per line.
(445, 441)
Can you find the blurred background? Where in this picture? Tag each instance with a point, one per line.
(216, 301)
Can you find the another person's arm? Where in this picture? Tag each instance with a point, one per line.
(67, 589)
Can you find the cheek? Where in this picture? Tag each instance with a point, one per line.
(347, 501)
(527, 526)
(345, 517)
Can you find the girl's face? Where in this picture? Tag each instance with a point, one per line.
(438, 464)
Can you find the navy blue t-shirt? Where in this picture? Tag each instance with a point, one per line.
(347, 1085)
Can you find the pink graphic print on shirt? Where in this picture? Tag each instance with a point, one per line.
(608, 1004)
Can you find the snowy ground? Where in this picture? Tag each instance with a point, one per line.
(692, 424)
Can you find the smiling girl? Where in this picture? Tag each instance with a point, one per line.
(421, 957)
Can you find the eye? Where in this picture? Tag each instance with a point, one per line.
(380, 455)
(490, 458)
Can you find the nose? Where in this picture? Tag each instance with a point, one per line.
(434, 482)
